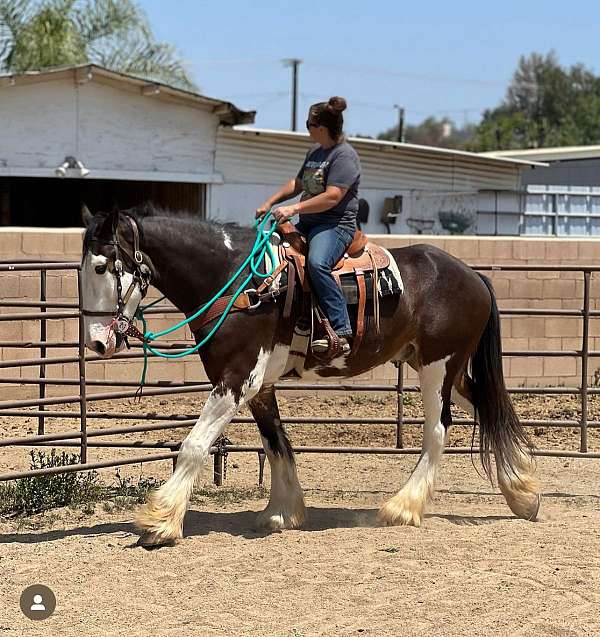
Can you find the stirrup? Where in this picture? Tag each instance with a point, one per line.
(322, 346)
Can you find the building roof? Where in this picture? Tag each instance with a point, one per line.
(227, 112)
(379, 144)
(560, 153)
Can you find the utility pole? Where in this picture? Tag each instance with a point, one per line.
(294, 63)
(401, 112)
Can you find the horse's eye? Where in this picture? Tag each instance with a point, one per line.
(101, 269)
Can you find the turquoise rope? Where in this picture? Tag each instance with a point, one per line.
(262, 246)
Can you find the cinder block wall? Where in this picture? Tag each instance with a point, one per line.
(513, 289)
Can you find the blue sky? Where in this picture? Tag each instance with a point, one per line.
(433, 58)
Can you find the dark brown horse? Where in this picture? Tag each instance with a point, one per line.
(445, 325)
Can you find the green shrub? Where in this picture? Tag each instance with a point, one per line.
(27, 496)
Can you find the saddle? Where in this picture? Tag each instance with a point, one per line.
(361, 257)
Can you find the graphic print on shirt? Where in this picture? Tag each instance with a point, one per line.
(313, 177)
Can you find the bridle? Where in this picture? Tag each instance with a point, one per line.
(142, 274)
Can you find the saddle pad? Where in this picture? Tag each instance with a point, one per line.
(390, 283)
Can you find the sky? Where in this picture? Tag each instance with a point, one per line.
(437, 59)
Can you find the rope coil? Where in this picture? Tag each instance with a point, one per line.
(261, 247)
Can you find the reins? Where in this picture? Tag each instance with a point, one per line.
(262, 246)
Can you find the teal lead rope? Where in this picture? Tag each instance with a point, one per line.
(261, 247)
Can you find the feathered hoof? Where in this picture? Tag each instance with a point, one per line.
(522, 495)
(151, 541)
(525, 507)
(399, 513)
(159, 525)
(272, 520)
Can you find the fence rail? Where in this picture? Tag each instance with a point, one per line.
(84, 438)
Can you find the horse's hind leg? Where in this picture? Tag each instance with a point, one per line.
(286, 503)
(408, 505)
(518, 486)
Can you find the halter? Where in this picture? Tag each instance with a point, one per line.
(121, 324)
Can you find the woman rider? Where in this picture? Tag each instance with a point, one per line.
(328, 181)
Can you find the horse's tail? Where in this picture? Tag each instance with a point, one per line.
(500, 431)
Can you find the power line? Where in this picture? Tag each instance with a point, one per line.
(258, 94)
(389, 108)
(402, 74)
(233, 61)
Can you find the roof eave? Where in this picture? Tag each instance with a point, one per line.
(228, 113)
(431, 150)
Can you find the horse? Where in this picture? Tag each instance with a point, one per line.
(445, 325)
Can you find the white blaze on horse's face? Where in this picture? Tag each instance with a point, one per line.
(99, 294)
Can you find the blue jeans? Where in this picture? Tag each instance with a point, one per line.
(327, 243)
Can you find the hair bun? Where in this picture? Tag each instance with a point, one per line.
(337, 104)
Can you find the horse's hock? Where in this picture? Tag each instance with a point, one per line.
(550, 330)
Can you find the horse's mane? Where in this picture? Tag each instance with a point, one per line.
(182, 222)
(149, 210)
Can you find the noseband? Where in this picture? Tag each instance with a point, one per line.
(121, 324)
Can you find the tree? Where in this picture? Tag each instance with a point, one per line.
(545, 105)
(433, 132)
(38, 34)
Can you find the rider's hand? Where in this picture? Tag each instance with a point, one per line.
(284, 213)
(261, 211)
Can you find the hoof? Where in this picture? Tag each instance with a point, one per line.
(151, 541)
(530, 511)
(269, 520)
(525, 504)
(396, 513)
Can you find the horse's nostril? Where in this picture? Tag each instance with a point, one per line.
(99, 347)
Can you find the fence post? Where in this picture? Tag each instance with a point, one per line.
(42, 388)
(262, 456)
(82, 387)
(585, 349)
(399, 405)
(218, 468)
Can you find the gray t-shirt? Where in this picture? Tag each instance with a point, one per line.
(335, 166)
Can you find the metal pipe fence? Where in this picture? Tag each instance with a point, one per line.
(85, 438)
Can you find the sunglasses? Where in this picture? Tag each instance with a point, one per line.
(310, 124)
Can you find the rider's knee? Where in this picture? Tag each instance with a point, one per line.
(317, 265)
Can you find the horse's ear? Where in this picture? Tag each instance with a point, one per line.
(86, 215)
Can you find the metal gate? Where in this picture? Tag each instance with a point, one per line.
(83, 438)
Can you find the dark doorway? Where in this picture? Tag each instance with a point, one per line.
(41, 202)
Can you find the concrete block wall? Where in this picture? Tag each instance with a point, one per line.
(513, 289)
(65, 245)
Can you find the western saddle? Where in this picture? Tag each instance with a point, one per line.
(361, 256)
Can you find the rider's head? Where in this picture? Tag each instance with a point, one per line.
(327, 115)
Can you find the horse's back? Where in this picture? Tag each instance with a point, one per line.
(439, 287)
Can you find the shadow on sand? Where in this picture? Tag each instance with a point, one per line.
(240, 524)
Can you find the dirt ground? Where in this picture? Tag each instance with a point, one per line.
(471, 569)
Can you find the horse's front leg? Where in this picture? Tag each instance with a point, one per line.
(286, 502)
(161, 518)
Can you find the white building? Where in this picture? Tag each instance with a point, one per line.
(414, 182)
(121, 140)
(139, 140)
